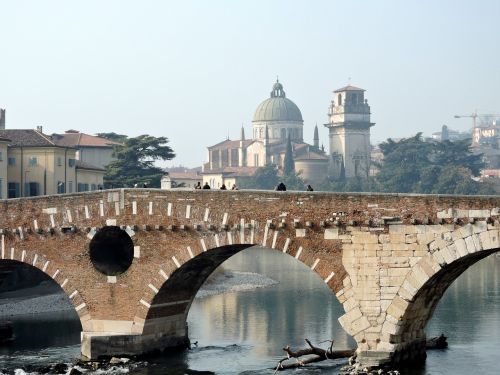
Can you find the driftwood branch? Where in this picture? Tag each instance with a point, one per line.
(317, 355)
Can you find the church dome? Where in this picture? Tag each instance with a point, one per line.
(277, 107)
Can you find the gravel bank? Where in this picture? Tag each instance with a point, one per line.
(33, 302)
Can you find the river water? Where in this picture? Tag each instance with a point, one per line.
(243, 332)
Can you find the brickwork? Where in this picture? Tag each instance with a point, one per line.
(387, 258)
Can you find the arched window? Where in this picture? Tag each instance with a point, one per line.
(339, 99)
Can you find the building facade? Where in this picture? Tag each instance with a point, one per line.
(90, 149)
(3, 167)
(349, 132)
(275, 120)
(36, 165)
(186, 179)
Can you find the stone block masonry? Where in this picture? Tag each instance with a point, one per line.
(387, 258)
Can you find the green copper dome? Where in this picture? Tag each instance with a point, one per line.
(277, 107)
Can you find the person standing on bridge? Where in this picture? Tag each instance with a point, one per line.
(281, 187)
(206, 186)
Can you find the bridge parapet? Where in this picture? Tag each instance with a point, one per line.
(387, 258)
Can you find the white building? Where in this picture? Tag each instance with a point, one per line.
(275, 120)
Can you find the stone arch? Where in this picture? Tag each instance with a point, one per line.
(172, 289)
(408, 314)
(49, 268)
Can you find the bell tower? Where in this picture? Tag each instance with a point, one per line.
(349, 132)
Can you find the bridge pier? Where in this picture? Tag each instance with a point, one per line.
(404, 353)
(171, 333)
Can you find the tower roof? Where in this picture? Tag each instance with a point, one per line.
(277, 108)
(349, 88)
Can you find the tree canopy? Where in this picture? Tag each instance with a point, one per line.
(413, 165)
(135, 161)
(264, 178)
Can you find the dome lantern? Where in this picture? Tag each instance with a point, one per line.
(278, 91)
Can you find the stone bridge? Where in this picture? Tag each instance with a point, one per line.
(132, 260)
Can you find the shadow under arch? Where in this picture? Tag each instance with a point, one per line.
(52, 273)
(176, 295)
(422, 306)
(22, 281)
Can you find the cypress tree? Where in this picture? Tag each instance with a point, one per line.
(288, 163)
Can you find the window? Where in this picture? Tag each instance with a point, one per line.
(1, 156)
(31, 189)
(12, 161)
(59, 161)
(70, 186)
(83, 187)
(255, 160)
(71, 163)
(13, 190)
(33, 161)
(60, 187)
(93, 187)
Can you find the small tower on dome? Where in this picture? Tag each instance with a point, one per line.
(349, 131)
(242, 134)
(316, 137)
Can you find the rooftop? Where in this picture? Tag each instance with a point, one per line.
(73, 138)
(27, 138)
(82, 165)
(349, 88)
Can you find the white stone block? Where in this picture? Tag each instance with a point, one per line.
(461, 247)
(479, 213)
(480, 226)
(331, 234)
(300, 232)
(471, 247)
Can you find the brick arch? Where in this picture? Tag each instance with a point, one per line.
(49, 268)
(213, 251)
(424, 286)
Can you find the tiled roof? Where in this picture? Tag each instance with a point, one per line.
(27, 138)
(185, 175)
(349, 88)
(312, 156)
(236, 171)
(77, 139)
(230, 144)
(82, 165)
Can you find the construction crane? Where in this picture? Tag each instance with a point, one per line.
(474, 116)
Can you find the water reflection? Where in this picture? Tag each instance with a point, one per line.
(265, 320)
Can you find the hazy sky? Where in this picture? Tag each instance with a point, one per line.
(194, 71)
